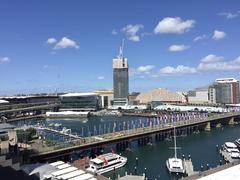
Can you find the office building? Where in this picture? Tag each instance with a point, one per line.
(106, 97)
(198, 96)
(224, 91)
(120, 79)
(80, 102)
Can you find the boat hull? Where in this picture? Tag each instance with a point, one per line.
(110, 168)
(174, 170)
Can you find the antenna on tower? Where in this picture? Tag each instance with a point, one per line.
(121, 50)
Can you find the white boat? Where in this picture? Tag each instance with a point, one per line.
(67, 114)
(229, 146)
(174, 164)
(232, 149)
(106, 162)
(237, 142)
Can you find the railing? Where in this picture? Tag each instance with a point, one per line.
(131, 133)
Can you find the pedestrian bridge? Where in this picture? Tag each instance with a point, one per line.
(63, 149)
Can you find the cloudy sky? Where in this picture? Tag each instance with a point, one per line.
(69, 45)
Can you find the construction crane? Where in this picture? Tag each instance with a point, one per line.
(120, 56)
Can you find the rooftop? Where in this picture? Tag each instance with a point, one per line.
(230, 145)
(226, 80)
(79, 94)
(232, 173)
(6, 126)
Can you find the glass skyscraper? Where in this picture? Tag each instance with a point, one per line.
(120, 80)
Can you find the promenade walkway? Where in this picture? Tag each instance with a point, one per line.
(94, 141)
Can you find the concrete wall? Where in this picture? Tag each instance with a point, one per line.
(201, 97)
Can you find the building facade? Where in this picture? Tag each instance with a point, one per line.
(106, 97)
(120, 80)
(224, 91)
(80, 102)
(198, 96)
(160, 95)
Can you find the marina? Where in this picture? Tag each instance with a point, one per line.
(157, 152)
(119, 90)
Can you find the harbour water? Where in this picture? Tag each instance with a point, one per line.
(201, 146)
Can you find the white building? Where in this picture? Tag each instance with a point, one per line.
(106, 97)
(198, 96)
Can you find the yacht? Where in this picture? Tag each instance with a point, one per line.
(232, 149)
(229, 146)
(174, 164)
(106, 162)
(237, 142)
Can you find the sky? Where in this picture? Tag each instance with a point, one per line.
(69, 45)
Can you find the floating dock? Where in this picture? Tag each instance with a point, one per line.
(189, 167)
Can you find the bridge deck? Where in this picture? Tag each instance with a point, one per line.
(94, 141)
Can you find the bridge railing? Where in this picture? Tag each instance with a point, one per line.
(136, 131)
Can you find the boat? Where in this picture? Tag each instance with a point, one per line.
(229, 146)
(67, 114)
(237, 142)
(174, 164)
(106, 162)
(231, 149)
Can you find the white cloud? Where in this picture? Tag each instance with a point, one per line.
(179, 70)
(114, 32)
(230, 15)
(66, 43)
(131, 31)
(51, 41)
(176, 48)
(4, 60)
(45, 66)
(220, 65)
(218, 35)
(100, 77)
(212, 58)
(174, 25)
(145, 69)
(199, 38)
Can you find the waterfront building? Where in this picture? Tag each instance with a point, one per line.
(160, 95)
(132, 98)
(80, 102)
(31, 99)
(198, 96)
(106, 97)
(224, 91)
(120, 79)
(8, 146)
(187, 108)
(59, 170)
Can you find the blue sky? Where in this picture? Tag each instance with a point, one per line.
(69, 45)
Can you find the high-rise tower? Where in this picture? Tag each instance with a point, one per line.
(120, 78)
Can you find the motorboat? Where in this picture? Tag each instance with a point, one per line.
(232, 149)
(106, 162)
(237, 142)
(229, 146)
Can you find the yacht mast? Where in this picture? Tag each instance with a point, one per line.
(175, 143)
